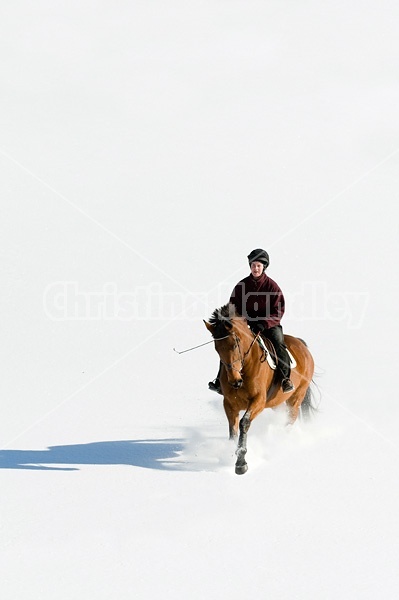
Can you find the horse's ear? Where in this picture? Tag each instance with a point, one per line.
(209, 326)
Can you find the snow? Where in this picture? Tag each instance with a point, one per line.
(146, 148)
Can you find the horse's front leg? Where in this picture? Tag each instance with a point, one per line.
(232, 417)
(256, 407)
(241, 465)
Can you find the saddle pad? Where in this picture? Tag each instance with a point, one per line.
(269, 358)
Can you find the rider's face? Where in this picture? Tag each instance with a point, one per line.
(256, 268)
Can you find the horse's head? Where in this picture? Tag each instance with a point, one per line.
(225, 326)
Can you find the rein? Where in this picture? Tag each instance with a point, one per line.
(228, 366)
(200, 345)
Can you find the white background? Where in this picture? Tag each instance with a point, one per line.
(146, 148)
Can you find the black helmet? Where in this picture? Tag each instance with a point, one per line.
(259, 255)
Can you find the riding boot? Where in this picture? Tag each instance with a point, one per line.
(287, 386)
(215, 384)
(275, 334)
(284, 367)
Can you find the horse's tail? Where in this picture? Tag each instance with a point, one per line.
(308, 407)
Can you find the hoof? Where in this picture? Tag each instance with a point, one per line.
(241, 469)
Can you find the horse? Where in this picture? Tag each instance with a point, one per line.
(247, 381)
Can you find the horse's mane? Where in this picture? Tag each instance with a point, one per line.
(221, 319)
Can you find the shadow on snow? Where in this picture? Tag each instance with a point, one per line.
(150, 454)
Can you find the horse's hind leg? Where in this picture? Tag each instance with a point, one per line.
(293, 405)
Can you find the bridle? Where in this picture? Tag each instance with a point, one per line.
(229, 366)
(242, 357)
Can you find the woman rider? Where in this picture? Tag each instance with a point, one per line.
(260, 300)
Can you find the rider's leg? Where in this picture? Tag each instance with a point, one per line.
(275, 334)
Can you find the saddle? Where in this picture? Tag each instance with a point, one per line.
(269, 353)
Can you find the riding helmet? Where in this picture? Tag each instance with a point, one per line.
(259, 255)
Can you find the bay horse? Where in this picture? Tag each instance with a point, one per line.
(247, 381)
